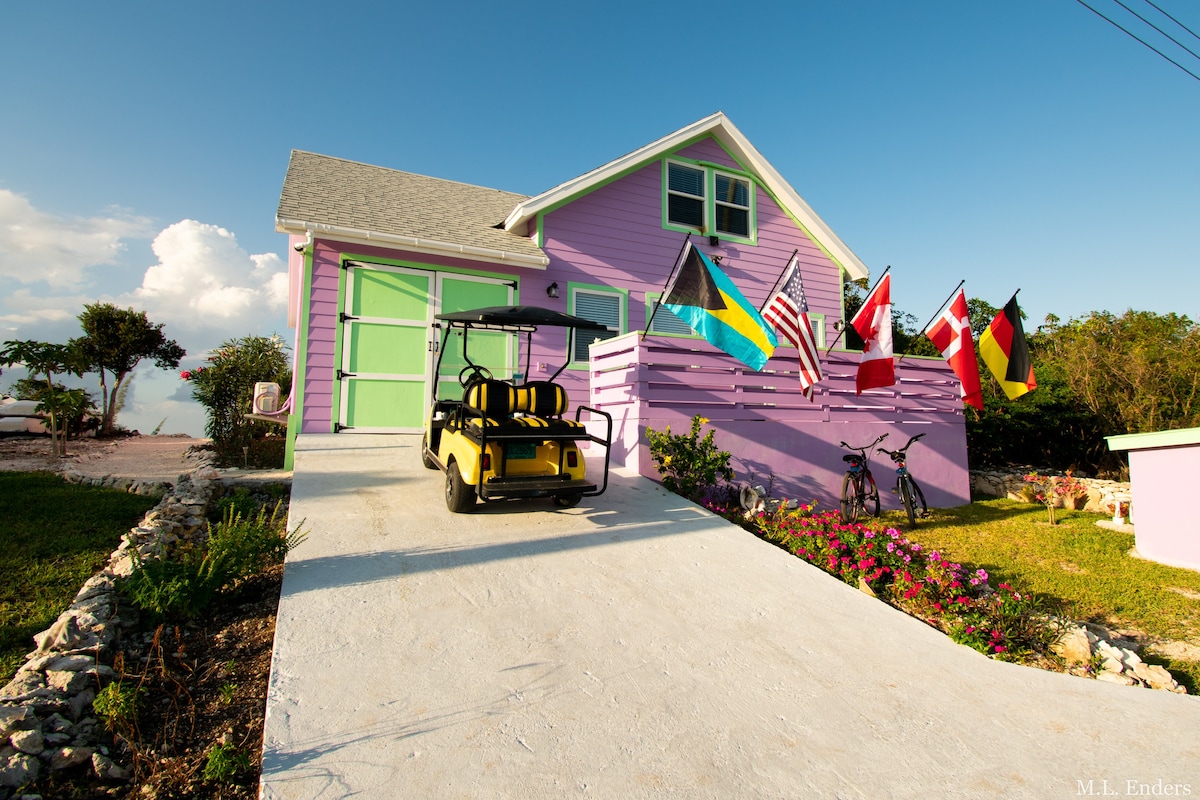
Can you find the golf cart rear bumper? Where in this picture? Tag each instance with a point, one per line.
(534, 486)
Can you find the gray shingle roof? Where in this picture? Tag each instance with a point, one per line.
(323, 190)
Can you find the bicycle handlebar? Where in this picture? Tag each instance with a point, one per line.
(882, 436)
(902, 449)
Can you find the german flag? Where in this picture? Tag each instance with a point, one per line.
(1006, 353)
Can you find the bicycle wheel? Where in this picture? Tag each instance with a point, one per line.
(918, 496)
(851, 498)
(869, 496)
(906, 497)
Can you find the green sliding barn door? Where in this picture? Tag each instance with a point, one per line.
(492, 350)
(386, 342)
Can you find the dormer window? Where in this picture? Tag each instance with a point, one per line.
(708, 200)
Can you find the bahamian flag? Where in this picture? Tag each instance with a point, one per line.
(706, 299)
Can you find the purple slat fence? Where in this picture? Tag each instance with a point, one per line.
(776, 435)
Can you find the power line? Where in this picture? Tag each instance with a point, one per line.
(1177, 22)
(1160, 30)
(1135, 38)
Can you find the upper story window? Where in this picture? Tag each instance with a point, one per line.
(709, 201)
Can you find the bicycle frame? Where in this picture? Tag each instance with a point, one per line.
(906, 485)
(858, 482)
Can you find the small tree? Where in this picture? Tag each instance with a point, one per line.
(225, 387)
(115, 340)
(70, 406)
(47, 360)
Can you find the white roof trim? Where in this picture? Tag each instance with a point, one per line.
(719, 126)
(413, 243)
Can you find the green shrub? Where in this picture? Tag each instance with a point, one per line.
(689, 464)
(225, 387)
(117, 704)
(224, 762)
(185, 582)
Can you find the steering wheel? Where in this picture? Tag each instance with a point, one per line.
(473, 372)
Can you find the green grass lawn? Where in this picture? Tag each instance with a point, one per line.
(54, 536)
(1076, 563)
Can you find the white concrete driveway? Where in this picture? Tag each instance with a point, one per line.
(638, 647)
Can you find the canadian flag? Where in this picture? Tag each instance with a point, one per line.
(874, 324)
(951, 335)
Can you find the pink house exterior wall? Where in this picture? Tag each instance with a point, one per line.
(771, 429)
(613, 237)
(1166, 529)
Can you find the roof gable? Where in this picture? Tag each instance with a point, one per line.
(739, 148)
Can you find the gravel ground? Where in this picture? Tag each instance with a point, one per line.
(145, 458)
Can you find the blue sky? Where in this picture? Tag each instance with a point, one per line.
(1019, 144)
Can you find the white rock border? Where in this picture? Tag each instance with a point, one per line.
(45, 721)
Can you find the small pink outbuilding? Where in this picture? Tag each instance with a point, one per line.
(1162, 471)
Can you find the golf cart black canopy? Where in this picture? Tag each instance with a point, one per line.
(519, 317)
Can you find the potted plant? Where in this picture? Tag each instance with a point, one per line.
(1072, 492)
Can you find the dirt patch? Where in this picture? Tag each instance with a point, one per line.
(159, 459)
(203, 688)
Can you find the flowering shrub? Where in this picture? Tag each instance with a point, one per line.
(1042, 489)
(688, 463)
(1006, 625)
(1001, 622)
(1067, 486)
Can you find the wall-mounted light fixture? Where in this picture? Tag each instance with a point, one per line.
(552, 290)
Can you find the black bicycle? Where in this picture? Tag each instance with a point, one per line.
(906, 485)
(860, 495)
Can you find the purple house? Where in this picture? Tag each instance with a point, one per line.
(376, 253)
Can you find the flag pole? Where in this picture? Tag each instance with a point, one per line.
(686, 241)
(771, 293)
(843, 330)
(925, 327)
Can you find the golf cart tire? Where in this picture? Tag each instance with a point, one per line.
(425, 459)
(567, 500)
(460, 498)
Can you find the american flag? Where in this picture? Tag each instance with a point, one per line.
(787, 310)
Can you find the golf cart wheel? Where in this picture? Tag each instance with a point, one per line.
(567, 500)
(460, 498)
(425, 459)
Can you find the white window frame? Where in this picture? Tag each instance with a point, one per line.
(748, 208)
(709, 200)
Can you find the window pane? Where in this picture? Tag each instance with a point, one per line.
(666, 321)
(602, 308)
(685, 179)
(735, 221)
(685, 211)
(732, 190)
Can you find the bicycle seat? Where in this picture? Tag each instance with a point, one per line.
(851, 459)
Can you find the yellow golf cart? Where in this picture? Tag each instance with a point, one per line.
(507, 439)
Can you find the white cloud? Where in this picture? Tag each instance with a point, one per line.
(40, 247)
(25, 309)
(205, 280)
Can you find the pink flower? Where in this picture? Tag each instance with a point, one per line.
(186, 375)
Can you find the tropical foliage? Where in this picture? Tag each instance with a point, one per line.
(1099, 375)
(224, 385)
(115, 340)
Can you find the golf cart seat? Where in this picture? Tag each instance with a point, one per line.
(539, 404)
